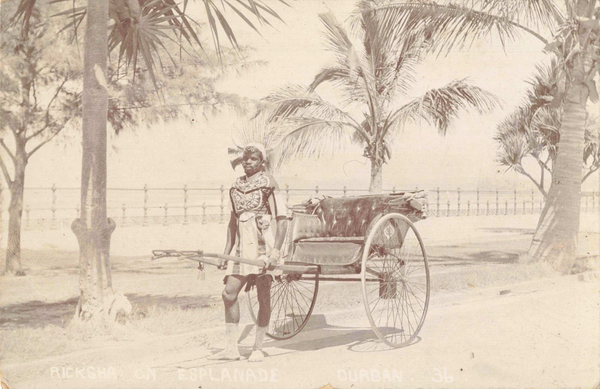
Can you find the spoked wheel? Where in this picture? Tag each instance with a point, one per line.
(293, 298)
(395, 280)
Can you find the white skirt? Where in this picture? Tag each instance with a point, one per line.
(256, 238)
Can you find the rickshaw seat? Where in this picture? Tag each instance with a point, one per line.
(333, 230)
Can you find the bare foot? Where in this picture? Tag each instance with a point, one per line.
(256, 356)
(225, 355)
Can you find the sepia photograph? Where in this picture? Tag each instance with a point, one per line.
(311, 194)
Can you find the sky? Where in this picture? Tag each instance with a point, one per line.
(195, 152)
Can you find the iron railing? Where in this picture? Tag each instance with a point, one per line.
(56, 207)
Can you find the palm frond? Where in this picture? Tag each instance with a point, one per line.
(517, 122)
(545, 85)
(529, 13)
(538, 119)
(455, 24)
(393, 56)
(439, 107)
(545, 124)
(309, 137)
(335, 75)
(512, 150)
(24, 12)
(259, 130)
(355, 73)
(142, 38)
(307, 125)
(336, 38)
(142, 26)
(295, 101)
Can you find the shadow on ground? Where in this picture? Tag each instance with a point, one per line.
(43, 262)
(469, 259)
(499, 252)
(317, 335)
(40, 313)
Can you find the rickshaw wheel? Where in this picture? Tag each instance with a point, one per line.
(293, 298)
(395, 280)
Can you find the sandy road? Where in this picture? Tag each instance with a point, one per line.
(538, 334)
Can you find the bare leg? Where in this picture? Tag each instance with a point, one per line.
(263, 291)
(234, 285)
(232, 318)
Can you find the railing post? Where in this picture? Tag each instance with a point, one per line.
(482, 205)
(222, 219)
(185, 205)
(497, 203)
(145, 222)
(437, 213)
(287, 195)
(53, 206)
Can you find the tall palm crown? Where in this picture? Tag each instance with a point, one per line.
(373, 70)
(142, 28)
(574, 28)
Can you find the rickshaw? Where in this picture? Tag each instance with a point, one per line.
(369, 239)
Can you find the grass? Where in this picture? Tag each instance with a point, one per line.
(490, 276)
(20, 344)
(167, 319)
(174, 320)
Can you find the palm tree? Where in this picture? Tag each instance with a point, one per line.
(139, 30)
(372, 72)
(532, 132)
(575, 44)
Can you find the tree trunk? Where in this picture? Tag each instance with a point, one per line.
(376, 185)
(93, 229)
(2, 259)
(555, 240)
(15, 215)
